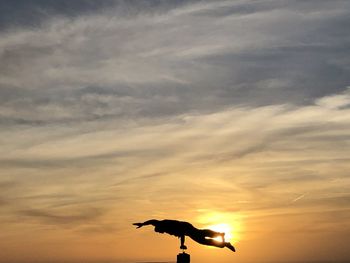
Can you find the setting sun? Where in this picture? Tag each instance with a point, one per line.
(223, 228)
(228, 223)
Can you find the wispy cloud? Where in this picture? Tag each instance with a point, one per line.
(66, 218)
(112, 66)
(257, 154)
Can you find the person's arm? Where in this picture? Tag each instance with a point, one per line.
(182, 240)
(146, 223)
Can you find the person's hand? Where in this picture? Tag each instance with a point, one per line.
(138, 225)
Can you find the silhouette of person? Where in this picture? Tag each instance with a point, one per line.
(181, 229)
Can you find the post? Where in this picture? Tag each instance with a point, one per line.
(183, 258)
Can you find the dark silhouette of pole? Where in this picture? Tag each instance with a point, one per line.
(183, 258)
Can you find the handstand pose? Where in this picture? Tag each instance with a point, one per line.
(182, 229)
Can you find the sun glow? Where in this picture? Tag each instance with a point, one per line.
(228, 223)
(222, 228)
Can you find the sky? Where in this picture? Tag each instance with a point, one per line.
(114, 112)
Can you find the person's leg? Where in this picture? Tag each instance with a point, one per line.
(213, 242)
(209, 233)
(208, 242)
(201, 238)
(212, 234)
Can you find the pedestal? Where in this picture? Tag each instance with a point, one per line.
(183, 258)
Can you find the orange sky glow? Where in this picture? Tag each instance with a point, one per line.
(287, 200)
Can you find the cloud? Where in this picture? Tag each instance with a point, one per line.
(261, 153)
(34, 13)
(65, 218)
(336, 101)
(111, 66)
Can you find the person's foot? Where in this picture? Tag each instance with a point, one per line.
(229, 246)
(183, 247)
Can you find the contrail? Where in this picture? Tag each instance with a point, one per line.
(298, 198)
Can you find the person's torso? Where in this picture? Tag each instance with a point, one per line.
(176, 228)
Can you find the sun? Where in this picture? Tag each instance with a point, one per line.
(228, 223)
(222, 228)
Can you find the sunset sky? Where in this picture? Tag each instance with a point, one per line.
(213, 112)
